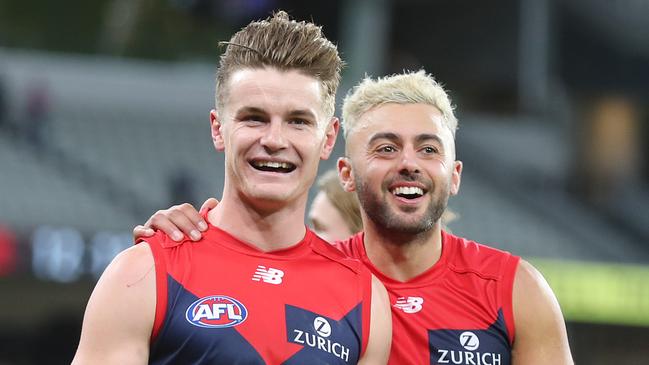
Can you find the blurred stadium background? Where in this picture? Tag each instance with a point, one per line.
(104, 119)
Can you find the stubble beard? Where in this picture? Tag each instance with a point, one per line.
(379, 211)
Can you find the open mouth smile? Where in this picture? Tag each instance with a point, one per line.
(272, 166)
(408, 192)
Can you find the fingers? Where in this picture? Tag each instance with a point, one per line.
(209, 204)
(196, 219)
(179, 220)
(140, 232)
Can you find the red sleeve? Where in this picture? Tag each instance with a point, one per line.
(506, 294)
(161, 283)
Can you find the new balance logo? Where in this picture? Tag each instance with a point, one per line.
(409, 304)
(268, 275)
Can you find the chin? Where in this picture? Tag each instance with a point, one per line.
(412, 226)
(275, 194)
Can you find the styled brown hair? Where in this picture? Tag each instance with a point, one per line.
(286, 45)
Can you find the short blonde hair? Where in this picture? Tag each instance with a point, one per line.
(406, 88)
(286, 45)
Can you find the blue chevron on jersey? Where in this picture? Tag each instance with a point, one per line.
(210, 309)
(212, 345)
(471, 346)
(324, 340)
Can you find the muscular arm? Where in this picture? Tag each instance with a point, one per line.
(119, 317)
(540, 329)
(378, 345)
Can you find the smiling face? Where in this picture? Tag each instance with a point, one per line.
(273, 131)
(402, 165)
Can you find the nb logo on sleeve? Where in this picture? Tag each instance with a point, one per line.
(268, 275)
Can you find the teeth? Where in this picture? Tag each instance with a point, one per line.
(407, 190)
(273, 164)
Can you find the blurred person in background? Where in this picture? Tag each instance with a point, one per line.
(334, 213)
(263, 289)
(453, 300)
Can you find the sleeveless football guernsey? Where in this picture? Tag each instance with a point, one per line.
(222, 301)
(457, 312)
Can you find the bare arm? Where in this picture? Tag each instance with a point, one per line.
(119, 317)
(176, 221)
(541, 336)
(378, 345)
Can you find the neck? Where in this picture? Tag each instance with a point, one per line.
(269, 227)
(402, 256)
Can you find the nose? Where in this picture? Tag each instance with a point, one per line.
(274, 139)
(408, 163)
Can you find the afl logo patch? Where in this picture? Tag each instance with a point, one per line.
(216, 311)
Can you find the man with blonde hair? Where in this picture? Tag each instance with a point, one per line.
(260, 288)
(461, 301)
(454, 301)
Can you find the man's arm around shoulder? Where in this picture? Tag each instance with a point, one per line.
(541, 336)
(120, 313)
(378, 345)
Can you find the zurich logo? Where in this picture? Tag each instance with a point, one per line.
(216, 311)
(469, 340)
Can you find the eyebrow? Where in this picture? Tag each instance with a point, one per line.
(394, 137)
(251, 110)
(425, 137)
(303, 113)
(293, 113)
(384, 135)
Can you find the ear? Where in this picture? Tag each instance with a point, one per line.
(456, 177)
(217, 135)
(346, 174)
(330, 138)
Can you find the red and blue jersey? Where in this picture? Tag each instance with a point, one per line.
(223, 301)
(457, 312)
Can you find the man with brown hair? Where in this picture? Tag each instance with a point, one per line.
(261, 288)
